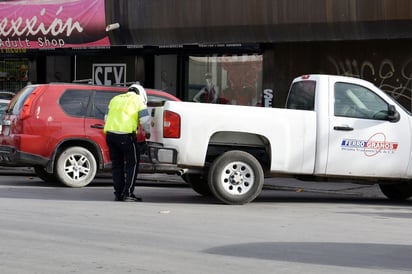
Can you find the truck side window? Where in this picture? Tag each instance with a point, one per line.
(302, 95)
(356, 101)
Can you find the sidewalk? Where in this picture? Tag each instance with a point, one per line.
(287, 184)
(4, 170)
(338, 187)
(277, 184)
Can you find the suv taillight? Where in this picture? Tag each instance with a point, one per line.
(25, 110)
(171, 124)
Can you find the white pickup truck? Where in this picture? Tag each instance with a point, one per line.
(333, 127)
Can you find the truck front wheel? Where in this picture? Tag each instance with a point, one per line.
(397, 192)
(236, 177)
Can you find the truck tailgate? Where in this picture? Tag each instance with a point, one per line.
(156, 127)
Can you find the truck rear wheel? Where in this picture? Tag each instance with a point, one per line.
(236, 177)
(76, 167)
(397, 192)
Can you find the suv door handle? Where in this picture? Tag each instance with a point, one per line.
(99, 126)
(344, 128)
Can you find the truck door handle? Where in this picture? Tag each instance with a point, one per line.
(97, 126)
(344, 128)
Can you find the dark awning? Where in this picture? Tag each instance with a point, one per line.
(177, 22)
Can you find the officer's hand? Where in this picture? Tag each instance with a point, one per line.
(147, 135)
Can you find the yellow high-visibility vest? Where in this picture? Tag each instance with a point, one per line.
(123, 115)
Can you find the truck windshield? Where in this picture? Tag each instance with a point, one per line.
(302, 95)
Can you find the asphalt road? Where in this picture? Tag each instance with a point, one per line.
(292, 227)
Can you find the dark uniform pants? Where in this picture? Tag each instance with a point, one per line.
(125, 156)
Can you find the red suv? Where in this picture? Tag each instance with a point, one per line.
(57, 129)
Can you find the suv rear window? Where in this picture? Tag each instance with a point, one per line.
(74, 102)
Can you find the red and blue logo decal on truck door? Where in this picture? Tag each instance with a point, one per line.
(377, 143)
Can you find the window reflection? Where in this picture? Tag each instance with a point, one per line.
(358, 102)
(235, 80)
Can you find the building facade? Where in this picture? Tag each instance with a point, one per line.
(248, 50)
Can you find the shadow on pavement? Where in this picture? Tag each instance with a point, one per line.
(358, 255)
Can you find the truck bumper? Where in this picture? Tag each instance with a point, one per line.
(154, 159)
(162, 159)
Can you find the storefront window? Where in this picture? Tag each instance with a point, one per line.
(235, 80)
(14, 74)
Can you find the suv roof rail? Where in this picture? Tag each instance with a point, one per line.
(128, 83)
(88, 81)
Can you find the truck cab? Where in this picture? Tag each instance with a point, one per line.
(359, 127)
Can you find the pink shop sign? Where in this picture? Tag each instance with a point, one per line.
(47, 24)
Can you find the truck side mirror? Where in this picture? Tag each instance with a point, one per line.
(393, 114)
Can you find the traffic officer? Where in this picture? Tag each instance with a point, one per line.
(122, 121)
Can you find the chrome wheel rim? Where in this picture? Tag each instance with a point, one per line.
(77, 167)
(237, 178)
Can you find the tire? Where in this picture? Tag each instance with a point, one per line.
(397, 192)
(198, 182)
(44, 175)
(76, 167)
(236, 177)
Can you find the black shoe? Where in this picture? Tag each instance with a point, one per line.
(118, 198)
(132, 198)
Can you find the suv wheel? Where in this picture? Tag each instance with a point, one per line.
(76, 167)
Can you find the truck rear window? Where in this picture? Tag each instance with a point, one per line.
(302, 95)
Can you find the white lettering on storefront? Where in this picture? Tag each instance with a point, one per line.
(268, 98)
(34, 26)
(109, 74)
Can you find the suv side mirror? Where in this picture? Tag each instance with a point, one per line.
(393, 114)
